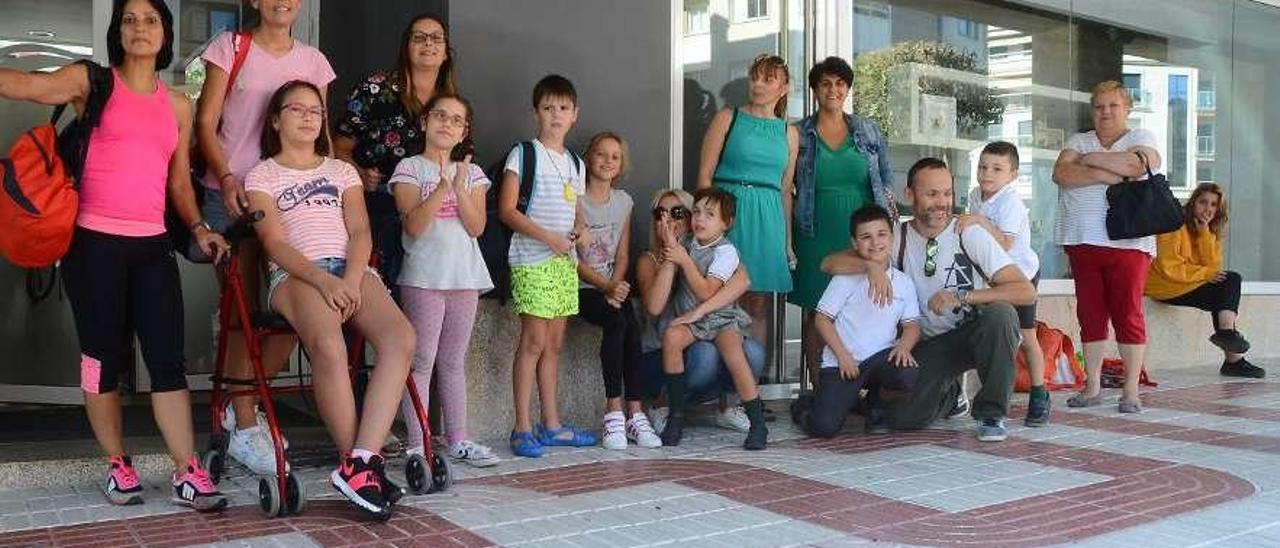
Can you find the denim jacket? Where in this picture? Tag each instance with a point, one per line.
(867, 138)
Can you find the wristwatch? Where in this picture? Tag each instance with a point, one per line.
(963, 296)
(199, 224)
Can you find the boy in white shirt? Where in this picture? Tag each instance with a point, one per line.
(996, 206)
(863, 348)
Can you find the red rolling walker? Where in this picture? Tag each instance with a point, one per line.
(283, 493)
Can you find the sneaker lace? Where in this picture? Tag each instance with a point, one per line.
(199, 477)
(613, 425)
(127, 474)
(640, 423)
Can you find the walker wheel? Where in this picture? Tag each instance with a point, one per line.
(269, 498)
(415, 473)
(297, 496)
(441, 473)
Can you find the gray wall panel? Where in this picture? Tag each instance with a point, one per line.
(617, 53)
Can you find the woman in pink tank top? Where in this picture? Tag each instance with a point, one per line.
(120, 273)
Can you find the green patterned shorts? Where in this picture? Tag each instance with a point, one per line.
(547, 290)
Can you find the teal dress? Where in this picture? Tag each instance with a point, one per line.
(841, 186)
(751, 168)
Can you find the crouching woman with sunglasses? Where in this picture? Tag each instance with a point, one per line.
(706, 376)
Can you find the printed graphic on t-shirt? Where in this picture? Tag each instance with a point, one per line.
(960, 274)
(599, 253)
(320, 192)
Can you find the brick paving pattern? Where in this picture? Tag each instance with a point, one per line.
(1198, 468)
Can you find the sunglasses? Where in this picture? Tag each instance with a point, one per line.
(678, 213)
(931, 257)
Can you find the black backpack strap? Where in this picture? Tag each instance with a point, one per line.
(73, 141)
(902, 243)
(101, 83)
(528, 168)
(577, 161)
(976, 267)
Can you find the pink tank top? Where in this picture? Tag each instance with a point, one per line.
(123, 188)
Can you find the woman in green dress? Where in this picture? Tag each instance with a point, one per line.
(843, 164)
(751, 153)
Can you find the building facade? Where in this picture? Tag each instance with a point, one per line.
(1200, 74)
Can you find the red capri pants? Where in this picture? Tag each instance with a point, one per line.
(1109, 284)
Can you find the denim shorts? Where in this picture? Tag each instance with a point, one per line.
(278, 275)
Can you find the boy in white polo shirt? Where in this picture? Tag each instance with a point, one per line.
(863, 348)
(996, 206)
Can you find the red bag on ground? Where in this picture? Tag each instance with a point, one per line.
(39, 204)
(1113, 375)
(1062, 371)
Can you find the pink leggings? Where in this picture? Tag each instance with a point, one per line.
(442, 321)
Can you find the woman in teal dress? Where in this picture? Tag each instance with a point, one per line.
(843, 164)
(751, 153)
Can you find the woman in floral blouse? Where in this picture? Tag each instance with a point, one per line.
(380, 127)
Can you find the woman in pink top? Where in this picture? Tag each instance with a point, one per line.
(314, 227)
(229, 127)
(120, 273)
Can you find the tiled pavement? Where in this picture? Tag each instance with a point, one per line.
(1200, 467)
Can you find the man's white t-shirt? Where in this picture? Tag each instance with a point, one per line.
(865, 328)
(1082, 211)
(1006, 211)
(953, 268)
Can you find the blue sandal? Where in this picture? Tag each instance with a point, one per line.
(553, 438)
(525, 444)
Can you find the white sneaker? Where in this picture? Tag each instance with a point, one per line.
(252, 447)
(658, 418)
(229, 424)
(733, 418)
(470, 452)
(640, 431)
(615, 434)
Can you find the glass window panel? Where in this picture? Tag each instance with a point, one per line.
(1248, 141)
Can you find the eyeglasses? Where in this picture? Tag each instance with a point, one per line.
(422, 38)
(302, 111)
(443, 116)
(149, 20)
(678, 213)
(931, 257)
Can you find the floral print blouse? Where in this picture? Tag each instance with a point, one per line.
(383, 130)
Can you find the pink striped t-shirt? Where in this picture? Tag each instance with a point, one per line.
(309, 203)
(122, 191)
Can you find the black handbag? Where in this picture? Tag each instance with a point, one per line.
(1142, 208)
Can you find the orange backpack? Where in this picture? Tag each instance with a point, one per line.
(40, 197)
(1061, 368)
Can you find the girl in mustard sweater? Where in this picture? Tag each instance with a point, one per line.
(1188, 272)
